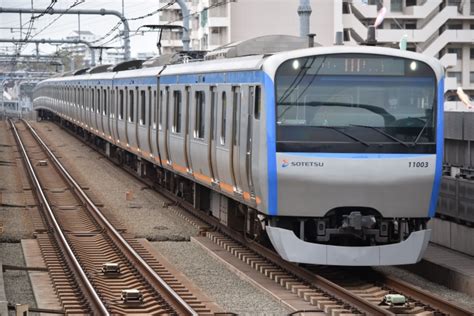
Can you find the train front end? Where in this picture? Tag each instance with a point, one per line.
(354, 157)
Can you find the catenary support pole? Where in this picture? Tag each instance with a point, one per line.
(185, 12)
(52, 41)
(126, 27)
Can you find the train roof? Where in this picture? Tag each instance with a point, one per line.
(269, 63)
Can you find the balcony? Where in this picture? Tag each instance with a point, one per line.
(411, 12)
(449, 36)
(417, 36)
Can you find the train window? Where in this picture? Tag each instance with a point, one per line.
(99, 101)
(235, 115)
(112, 103)
(223, 118)
(120, 105)
(177, 108)
(160, 122)
(104, 100)
(82, 98)
(213, 109)
(258, 102)
(155, 109)
(131, 107)
(148, 117)
(93, 100)
(142, 107)
(200, 115)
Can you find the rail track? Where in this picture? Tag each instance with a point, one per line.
(95, 268)
(333, 290)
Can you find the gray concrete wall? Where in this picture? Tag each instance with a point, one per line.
(452, 235)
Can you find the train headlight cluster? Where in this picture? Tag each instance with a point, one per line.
(413, 65)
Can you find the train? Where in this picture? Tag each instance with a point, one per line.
(331, 154)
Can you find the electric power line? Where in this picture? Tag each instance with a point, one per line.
(215, 5)
(115, 27)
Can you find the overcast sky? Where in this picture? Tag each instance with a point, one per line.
(66, 24)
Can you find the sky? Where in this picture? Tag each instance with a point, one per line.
(66, 24)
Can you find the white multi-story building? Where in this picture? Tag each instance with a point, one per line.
(439, 28)
(81, 49)
(106, 56)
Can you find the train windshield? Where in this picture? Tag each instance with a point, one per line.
(355, 103)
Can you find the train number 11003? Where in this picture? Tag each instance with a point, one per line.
(418, 164)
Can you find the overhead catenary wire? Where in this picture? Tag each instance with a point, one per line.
(116, 26)
(179, 19)
(20, 46)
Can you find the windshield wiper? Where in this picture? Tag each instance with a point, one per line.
(345, 134)
(420, 133)
(383, 133)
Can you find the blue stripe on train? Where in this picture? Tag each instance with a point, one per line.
(271, 146)
(439, 150)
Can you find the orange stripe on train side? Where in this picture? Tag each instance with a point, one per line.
(179, 168)
(202, 177)
(226, 187)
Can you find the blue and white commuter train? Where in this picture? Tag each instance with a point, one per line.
(334, 152)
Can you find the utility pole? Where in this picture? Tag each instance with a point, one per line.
(304, 11)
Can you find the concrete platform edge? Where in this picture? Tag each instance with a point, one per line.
(443, 275)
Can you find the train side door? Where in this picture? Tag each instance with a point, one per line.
(235, 147)
(163, 125)
(224, 142)
(244, 136)
(187, 128)
(214, 135)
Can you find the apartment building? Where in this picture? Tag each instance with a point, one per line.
(439, 28)
(214, 24)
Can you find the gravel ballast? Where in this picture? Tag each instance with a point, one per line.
(17, 283)
(144, 215)
(218, 282)
(15, 219)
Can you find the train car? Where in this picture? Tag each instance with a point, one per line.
(334, 153)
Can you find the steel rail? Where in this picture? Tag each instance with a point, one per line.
(317, 281)
(160, 286)
(92, 297)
